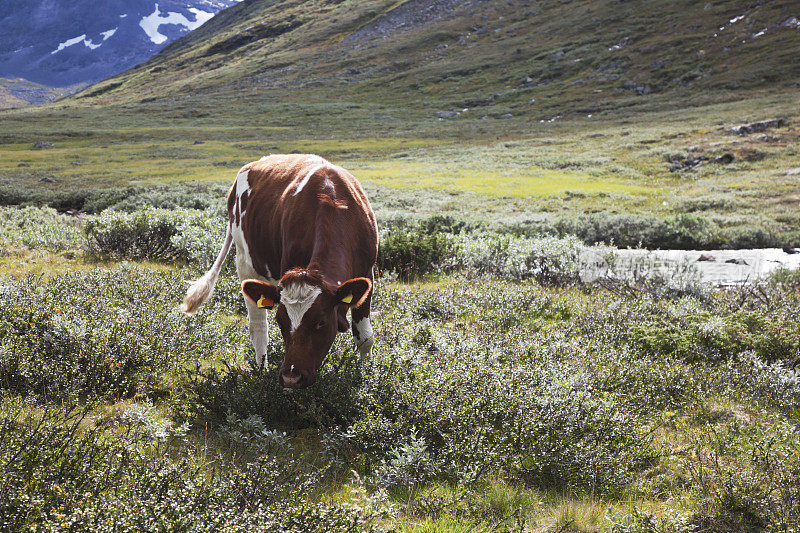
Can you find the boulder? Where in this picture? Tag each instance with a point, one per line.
(756, 127)
(724, 159)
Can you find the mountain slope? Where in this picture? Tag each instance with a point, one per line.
(538, 58)
(60, 43)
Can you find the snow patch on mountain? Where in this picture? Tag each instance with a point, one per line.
(151, 22)
(88, 43)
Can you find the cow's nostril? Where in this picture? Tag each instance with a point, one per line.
(290, 380)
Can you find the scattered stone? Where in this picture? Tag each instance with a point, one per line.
(707, 7)
(620, 44)
(637, 88)
(23, 165)
(532, 101)
(756, 127)
(687, 164)
(791, 22)
(199, 142)
(657, 64)
(793, 172)
(447, 114)
(47, 179)
(43, 145)
(507, 115)
(706, 257)
(790, 251)
(724, 159)
(611, 65)
(736, 261)
(693, 148)
(528, 79)
(764, 138)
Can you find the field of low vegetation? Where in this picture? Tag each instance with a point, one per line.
(504, 394)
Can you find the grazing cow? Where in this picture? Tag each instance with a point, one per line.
(306, 244)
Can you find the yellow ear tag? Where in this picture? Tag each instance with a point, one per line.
(347, 299)
(264, 302)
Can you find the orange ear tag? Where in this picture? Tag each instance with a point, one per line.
(264, 302)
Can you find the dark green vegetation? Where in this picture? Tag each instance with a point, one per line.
(505, 396)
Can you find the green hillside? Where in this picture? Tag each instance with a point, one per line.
(581, 56)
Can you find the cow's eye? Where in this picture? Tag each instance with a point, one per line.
(321, 324)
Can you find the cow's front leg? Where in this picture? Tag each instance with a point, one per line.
(259, 331)
(362, 328)
(256, 317)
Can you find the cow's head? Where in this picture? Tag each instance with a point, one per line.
(310, 312)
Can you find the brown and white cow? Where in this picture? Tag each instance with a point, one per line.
(306, 244)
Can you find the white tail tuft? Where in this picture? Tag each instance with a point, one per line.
(202, 289)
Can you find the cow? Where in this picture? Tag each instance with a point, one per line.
(306, 245)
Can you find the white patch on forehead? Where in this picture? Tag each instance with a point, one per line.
(298, 298)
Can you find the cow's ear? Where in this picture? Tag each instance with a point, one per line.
(264, 295)
(354, 291)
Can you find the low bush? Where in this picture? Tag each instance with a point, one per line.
(193, 195)
(414, 252)
(515, 406)
(93, 333)
(57, 475)
(686, 231)
(40, 228)
(157, 234)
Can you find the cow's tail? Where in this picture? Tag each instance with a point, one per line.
(201, 289)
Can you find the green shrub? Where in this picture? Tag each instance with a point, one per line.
(156, 234)
(40, 228)
(102, 332)
(58, 475)
(413, 252)
(191, 195)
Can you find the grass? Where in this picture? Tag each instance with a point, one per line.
(618, 166)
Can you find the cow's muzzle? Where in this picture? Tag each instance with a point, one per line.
(294, 379)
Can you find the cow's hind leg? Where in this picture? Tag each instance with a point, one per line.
(362, 327)
(257, 318)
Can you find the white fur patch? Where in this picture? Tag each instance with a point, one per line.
(242, 184)
(364, 337)
(298, 298)
(305, 179)
(364, 329)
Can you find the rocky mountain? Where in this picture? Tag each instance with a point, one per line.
(60, 43)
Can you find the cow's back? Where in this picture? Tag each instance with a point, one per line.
(289, 210)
